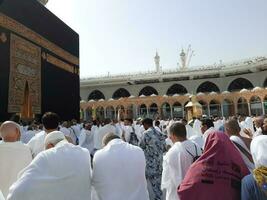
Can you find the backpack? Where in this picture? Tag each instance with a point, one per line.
(133, 138)
(195, 157)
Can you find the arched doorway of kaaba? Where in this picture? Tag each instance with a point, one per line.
(26, 108)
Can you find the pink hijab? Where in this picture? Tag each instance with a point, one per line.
(217, 174)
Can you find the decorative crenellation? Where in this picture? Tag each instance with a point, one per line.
(24, 31)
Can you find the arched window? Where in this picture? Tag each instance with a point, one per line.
(208, 87)
(176, 89)
(228, 108)
(143, 110)
(239, 84)
(153, 111)
(121, 92)
(177, 110)
(96, 95)
(204, 107)
(165, 111)
(215, 108)
(255, 106)
(110, 113)
(148, 91)
(242, 106)
(100, 113)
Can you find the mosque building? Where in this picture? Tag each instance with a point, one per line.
(224, 89)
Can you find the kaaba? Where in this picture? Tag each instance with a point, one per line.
(39, 62)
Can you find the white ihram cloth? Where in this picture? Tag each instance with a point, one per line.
(218, 124)
(86, 140)
(14, 156)
(238, 140)
(108, 128)
(175, 165)
(197, 127)
(190, 131)
(119, 172)
(53, 175)
(258, 148)
(127, 130)
(249, 124)
(36, 144)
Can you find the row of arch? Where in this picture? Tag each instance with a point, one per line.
(255, 106)
(205, 87)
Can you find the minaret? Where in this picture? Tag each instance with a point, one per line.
(157, 62)
(183, 59)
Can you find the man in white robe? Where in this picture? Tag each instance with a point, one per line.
(107, 128)
(177, 160)
(53, 174)
(127, 130)
(242, 144)
(86, 139)
(51, 122)
(14, 155)
(207, 127)
(119, 171)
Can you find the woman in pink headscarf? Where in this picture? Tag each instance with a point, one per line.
(217, 174)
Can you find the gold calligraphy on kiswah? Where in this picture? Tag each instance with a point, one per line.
(22, 30)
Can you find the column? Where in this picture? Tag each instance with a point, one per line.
(183, 111)
(147, 111)
(235, 108)
(263, 109)
(171, 111)
(105, 113)
(249, 109)
(208, 109)
(222, 110)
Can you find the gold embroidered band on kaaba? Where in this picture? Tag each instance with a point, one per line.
(22, 30)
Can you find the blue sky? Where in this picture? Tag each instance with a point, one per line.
(120, 36)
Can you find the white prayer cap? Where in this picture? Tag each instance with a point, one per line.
(54, 137)
(258, 150)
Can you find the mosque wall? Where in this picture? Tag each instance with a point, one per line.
(256, 78)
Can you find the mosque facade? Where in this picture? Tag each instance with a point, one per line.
(222, 90)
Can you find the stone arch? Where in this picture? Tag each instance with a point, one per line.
(208, 86)
(96, 95)
(239, 84)
(176, 89)
(121, 93)
(148, 91)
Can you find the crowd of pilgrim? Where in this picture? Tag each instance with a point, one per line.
(145, 159)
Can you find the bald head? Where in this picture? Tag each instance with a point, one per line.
(232, 127)
(10, 131)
